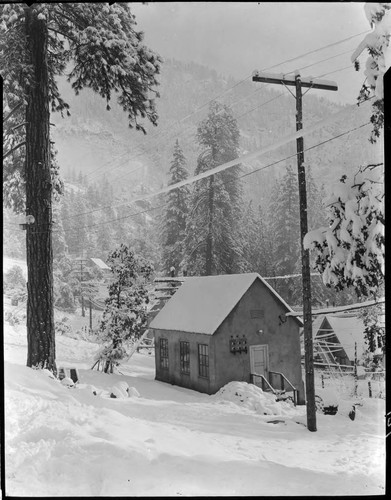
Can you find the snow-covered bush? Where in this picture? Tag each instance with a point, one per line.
(68, 382)
(63, 327)
(122, 390)
(14, 283)
(11, 318)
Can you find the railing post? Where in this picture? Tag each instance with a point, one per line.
(282, 382)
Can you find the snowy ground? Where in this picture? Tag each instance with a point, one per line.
(62, 441)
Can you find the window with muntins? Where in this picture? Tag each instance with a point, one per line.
(203, 360)
(184, 350)
(163, 353)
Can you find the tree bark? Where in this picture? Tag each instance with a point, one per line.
(40, 312)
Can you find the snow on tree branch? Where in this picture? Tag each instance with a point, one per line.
(378, 45)
(350, 252)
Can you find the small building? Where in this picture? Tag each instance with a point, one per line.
(218, 329)
(338, 338)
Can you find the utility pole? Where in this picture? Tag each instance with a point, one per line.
(90, 314)
(81, 260)
(81, 288)
(298, 83)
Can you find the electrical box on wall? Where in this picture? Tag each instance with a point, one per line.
(238, 344)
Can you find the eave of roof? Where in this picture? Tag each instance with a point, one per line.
(189, 307)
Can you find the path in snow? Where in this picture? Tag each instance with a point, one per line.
(171, 441)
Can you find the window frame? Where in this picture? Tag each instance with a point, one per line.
(203, 361)
(163, 353)
(184, 357)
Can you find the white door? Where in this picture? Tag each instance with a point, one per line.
(259, 359)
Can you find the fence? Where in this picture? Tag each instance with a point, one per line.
(346, 384)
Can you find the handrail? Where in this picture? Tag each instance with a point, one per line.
(283, 378)
(264, 379)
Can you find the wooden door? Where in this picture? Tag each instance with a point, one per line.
(259, 360)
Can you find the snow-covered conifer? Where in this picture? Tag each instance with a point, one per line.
(125, 315)
(173, 221)
(99, 47)
(213, 242)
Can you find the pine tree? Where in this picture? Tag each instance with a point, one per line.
(256, 242)
(285, 223)
(315, 203)
(173, 220)
(285, 229)
(125, 317)
(213, 242)
(60, 247)
(36, 44)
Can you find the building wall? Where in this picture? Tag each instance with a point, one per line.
(173, 374)
(282, 339)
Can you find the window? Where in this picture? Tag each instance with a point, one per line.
(184, 349)
(203, 360)
(164, 353)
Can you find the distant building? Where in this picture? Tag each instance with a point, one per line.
(335, 339)
(218, 329)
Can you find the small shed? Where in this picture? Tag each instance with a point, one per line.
(336, 338)
(218, 329)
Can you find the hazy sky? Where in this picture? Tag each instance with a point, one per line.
(235, 38)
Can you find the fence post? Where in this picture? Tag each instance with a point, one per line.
(369, 389)
(322, 376)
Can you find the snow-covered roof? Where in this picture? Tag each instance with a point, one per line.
(100, 264)
(348, 330)
(202, 303)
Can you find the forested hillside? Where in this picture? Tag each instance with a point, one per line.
(96, 141)
(105, 164)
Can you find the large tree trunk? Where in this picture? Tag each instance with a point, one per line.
(40, 313)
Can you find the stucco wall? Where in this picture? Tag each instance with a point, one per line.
(174, 375)
(283, 339)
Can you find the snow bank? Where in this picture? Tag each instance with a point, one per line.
(171, 441)
(253, 398)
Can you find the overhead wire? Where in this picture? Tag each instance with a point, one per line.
(247, 78)
(317, 62)
(241, 176)
(238, 117)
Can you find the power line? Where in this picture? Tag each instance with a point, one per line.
(249, 111)
(238, 117)
(247, 78)
(243, 175)
(250, 156)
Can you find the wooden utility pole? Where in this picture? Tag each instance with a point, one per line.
(90, 314)
(298, 83)
(355, 369)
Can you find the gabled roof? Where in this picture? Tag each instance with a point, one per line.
(100, 264)
(202, 303)
(348, 330)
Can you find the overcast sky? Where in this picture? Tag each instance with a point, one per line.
(235, 38)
